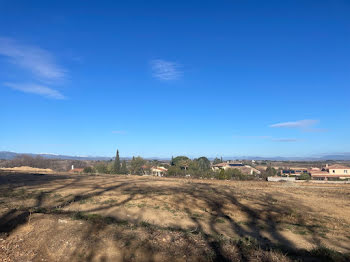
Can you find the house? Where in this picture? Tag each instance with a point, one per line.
(154, 170)
(338, 169)
(332, 172)
(158, 171)
(76, 170)
(245, 169)
(294, 171)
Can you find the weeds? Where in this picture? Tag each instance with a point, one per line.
(325, 254)
(220, 220)
(98, 219)
(145, 224)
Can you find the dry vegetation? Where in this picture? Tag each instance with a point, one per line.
(55, 217)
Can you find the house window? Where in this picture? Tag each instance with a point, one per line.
(345, 171)
(333, 171)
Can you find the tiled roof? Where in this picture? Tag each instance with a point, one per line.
(337, 166)
(220, 165)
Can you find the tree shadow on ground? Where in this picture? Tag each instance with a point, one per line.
(218, 199)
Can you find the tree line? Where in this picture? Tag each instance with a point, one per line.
(180, 166)
(137, 166)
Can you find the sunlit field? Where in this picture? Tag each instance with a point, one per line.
(55, 217)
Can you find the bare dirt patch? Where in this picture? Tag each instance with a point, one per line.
(55, 217)
(26, 169)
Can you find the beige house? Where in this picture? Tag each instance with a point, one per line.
(154, 171)
(245, 169)
(159, 171)
(338, 169)
(331, 172)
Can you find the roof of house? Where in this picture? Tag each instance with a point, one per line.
(337, 166)
(160, 168)
(312, 172)
(232, 164)
(298, 168)
(315, 169)
(220, 165)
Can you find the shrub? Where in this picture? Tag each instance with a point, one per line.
(89, 169)
(101, 168)
(304, 176)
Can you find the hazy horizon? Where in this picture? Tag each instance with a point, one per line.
(341, 156)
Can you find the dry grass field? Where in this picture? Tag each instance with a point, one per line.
(55, 217)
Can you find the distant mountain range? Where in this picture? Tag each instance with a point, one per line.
(338, 156)
(11, 155)
(334, 157)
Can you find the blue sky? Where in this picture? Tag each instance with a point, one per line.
(163, 78)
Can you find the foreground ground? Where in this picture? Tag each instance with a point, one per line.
(55, 217)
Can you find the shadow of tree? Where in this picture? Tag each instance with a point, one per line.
(217, 199)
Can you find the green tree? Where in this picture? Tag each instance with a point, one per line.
(136, 165)
(116, 168)
(270, 171)
(217, 161)
(101, 168)
(203, 163)
(181, 161)
(220, 175)
(175, 171)
(304, 176)
(89, 169)
(124, 169)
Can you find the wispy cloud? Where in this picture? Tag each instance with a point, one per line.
(306, 125)
(258, 137)
(284, 140)
(297, 124)
(36, 89)
(269, 138)
(165, 70)
(120, 132)
(40, 64)
(38, 61)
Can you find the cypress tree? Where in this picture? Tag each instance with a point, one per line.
(117, 163)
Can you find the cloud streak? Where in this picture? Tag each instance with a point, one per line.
(40, 64)
(165, 70)
(269, 138)
(119, 132)
(287, 140)
(36, 89)
(296, 124)
(38, 61)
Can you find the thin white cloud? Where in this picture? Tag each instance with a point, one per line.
(285, 140)
(120, 132)
(259, 137)
(269, 138)
(296, 124)
(39, 62)
(36, 89)
(165, 70)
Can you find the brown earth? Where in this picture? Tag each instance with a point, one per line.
(55, 217)
(26, 169)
